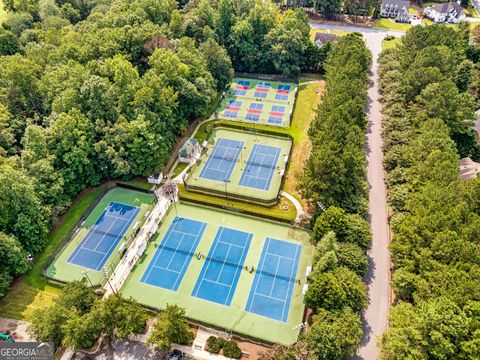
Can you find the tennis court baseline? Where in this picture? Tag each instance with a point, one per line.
(220, 272)
(260, 167)
(272, 287)
(173, 255)
(220, 163)
(103, 236)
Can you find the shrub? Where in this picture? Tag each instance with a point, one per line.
(214, 345)
(232, 350)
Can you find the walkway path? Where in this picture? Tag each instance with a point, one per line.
(300, 213)
(136, 249)
(377, 278)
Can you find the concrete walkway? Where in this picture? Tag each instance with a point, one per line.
(301, 215)
(136, 249)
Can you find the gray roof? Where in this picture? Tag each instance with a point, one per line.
(398, 3)
(325, 37)
(188, 147)
(447, 7)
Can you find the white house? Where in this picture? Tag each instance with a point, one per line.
(450, 13)
(396, 9)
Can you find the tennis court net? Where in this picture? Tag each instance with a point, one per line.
(250, 269)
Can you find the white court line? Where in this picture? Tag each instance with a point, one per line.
(115, 242)
(270, 175)
(262, 272)
(267, 243)
(162, 268)
(274, 276)
(227, 243)
(290, 282)
(238, 267)
(214, 155)
(210, 262)
(162, 248)
(191, 249)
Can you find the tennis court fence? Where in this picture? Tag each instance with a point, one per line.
(74, 230)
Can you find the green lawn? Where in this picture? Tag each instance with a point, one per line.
(310, 77)
(140, 183)
(308, 99)
(384, 23)
(179, 168)
(31, 290)
(388, 44)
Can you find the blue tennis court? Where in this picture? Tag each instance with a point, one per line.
(220, 163)
(272, 287)
(102, 238)
(254, 111)
(173, 255)
(276, 114)
(232, 109)
(241, 87)
(260, 167)
(220, 272)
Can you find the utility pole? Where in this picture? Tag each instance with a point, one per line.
(105, 272)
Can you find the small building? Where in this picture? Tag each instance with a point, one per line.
(155, 178)
(396, 9)
(189, 150)
(323, 38)
(468, 169)
(448, 13)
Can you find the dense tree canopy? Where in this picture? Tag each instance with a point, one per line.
(428, 111)
(77, 317)
(335, 170)
(96, 87)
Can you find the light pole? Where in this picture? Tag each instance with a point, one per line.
(170, 190)
(105, 272)
(226, 194)
(30, 259)
(84, 273)
(106, 173)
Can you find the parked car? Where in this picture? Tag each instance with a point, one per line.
(175, 355)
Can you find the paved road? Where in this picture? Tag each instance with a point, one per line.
(378, 276)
